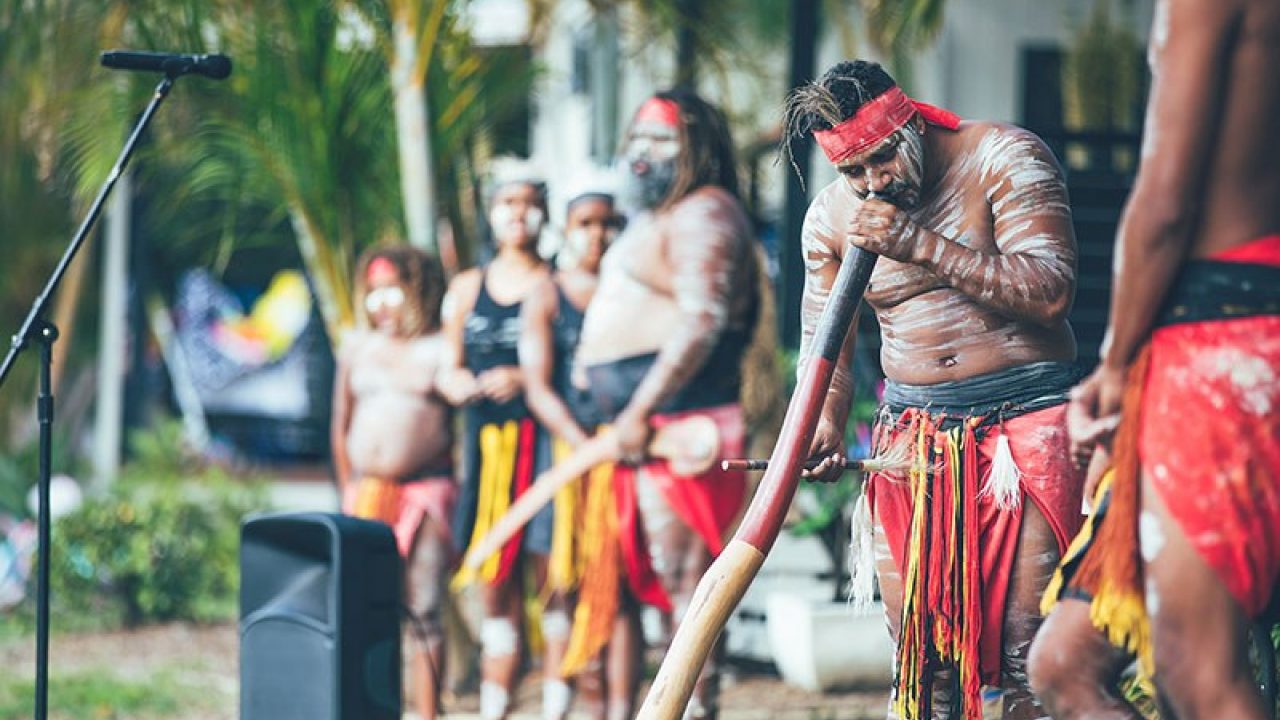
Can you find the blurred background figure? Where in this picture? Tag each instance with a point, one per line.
(604, 614)
(665, 336)
(503, 450)
(393, 437)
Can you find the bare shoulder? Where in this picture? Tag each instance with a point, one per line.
(350, 341)
(709, 205)
(1006, 159)
(542, 297)
(463, 288)
(467, 280)
(999, 146)
(833, 207)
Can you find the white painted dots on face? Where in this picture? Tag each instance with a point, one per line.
(653, 141)
(894, 168)
(516, 215)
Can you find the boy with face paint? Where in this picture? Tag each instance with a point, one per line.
(605, 644)
(1183, 552)
(972, 289)
(392, 435)
(504, 445)
(665, 336)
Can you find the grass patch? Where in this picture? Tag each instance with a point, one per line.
(103, 695)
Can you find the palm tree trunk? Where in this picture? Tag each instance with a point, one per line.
(329, 280)
(413, 133)
(109, 423)
(688, 15)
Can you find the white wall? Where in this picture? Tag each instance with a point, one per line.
(975, 67)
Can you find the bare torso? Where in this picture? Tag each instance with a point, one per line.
(637, 303)
(1242, 200)
(399, 426)
(933, 332)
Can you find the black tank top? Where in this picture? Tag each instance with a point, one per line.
(489, 339)
(566, 328)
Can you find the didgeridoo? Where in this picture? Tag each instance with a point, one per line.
(724, 583)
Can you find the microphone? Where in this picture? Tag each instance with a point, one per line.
(215, 66)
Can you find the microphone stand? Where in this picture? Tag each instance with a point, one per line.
(39, 330)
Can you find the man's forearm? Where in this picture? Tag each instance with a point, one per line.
(1023, 286)
(678, 361)
(1139, 290)
(550, 410)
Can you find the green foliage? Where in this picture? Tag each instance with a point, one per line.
(162, 544)
(18, 472)
(1103, 75)
(103, 695)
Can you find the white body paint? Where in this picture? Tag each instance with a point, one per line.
(1151, 537)
(991, 199)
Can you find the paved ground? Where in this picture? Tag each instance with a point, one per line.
(207, 657)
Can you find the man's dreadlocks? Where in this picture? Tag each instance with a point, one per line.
(832, 99)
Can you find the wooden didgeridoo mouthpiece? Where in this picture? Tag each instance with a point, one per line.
(724, 583)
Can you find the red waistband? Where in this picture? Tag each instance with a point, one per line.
(1263, 251)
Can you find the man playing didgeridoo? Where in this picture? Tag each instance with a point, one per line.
(1184, 550)
(972, 289)
(664, 338)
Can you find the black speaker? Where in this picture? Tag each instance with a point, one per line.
(319, 618)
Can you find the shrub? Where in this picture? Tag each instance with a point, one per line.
(161, 544)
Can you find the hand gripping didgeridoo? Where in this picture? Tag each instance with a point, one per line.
(724, 583)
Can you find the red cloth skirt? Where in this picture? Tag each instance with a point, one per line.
(1210, 438)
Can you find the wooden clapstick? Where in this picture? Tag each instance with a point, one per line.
(759, 464)
(724, 583)
(691, 445)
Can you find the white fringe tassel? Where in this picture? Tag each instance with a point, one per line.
(1005, 482)
(862, 559)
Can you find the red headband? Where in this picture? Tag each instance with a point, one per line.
(380, 268)
(877, 120)
(660, 111)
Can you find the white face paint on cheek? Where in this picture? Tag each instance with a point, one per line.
(911, 152)
(533, 221)
(500, 217)
(576, 241)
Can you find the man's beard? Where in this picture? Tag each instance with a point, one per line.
(900, 194)
(646, 190)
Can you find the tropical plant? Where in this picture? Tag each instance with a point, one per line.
(161, 544)
(1103, 73)
(298, 139)
(721, 33)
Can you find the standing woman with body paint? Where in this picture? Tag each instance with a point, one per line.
(606, 644)
(502, 437)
